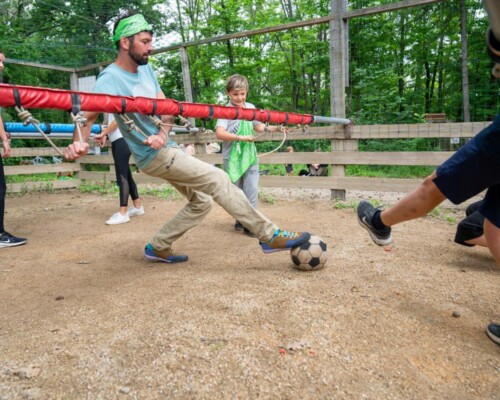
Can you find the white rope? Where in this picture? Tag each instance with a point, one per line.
(27, 118)
(277, 148)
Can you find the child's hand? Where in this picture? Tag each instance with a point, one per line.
(283, 129)
(248, 138)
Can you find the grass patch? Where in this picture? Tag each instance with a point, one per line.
(110, 188)
(389, 171)
(267, 198)
(47, 177)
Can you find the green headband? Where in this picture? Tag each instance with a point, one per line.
(130, 26)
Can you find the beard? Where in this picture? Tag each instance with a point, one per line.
(139, 59)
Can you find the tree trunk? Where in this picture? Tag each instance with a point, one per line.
(465, 72)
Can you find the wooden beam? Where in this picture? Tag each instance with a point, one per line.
(244, 34)
(34, 151)
(300, 24)
(304, 182)
(41, 169)
(39, 65)
(400, 5)
(340, 183)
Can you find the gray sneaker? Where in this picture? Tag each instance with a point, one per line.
(382, 237)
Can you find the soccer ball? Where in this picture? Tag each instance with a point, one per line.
(311, 255)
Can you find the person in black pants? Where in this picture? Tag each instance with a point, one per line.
(124, 179)
(6, 239)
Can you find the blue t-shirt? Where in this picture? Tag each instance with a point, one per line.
(116, 81)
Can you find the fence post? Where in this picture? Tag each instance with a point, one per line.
(186, 79)
(338, 57)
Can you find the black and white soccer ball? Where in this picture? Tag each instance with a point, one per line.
(311, 255)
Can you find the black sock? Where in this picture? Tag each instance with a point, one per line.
(377, 222)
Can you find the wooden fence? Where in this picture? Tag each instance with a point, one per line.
(344, 152)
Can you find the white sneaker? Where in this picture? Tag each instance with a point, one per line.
(117, 218)
(133, 211)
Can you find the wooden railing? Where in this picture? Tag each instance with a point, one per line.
(344, 144)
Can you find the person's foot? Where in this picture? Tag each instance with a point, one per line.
(284, 240)
(166, 255)
(133, 211)
(118, 218)
(493, 331)
(248, 233)
(7, 240)
(238, 227)
(366, 212)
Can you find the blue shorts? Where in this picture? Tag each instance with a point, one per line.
(470, 171)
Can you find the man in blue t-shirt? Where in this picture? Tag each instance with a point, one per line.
(155, 155)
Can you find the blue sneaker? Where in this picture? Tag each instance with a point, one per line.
(493, 332)
(7, 240)
(284, 240)
(166, 255)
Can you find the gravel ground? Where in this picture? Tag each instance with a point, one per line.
(84, 316)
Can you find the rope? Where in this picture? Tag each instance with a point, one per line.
(277, 148)
(131, 124)
(27, 119)
(160, 124)
(79, 122)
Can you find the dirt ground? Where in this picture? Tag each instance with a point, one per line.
(84, 316)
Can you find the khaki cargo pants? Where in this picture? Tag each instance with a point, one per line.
(200, 182)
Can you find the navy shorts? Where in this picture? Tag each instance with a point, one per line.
(467, 173)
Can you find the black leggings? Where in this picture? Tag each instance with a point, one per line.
(124, 180)
(3, 191)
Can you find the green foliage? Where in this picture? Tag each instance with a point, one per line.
(267, 198)
(401, 65)
(48, 177)
(389, 171)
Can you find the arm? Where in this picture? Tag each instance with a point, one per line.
(101, 139)
(159, 140)
(222, 134)
(5, 140)
(78, 149)
(261, 128)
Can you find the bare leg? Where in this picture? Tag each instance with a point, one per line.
(137, 203)
(416, 204)
(492, 235)
(479, 241)
(123, 210)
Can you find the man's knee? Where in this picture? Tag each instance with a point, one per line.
(201, 203)
(429, 190)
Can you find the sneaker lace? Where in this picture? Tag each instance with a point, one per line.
(288, 234)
